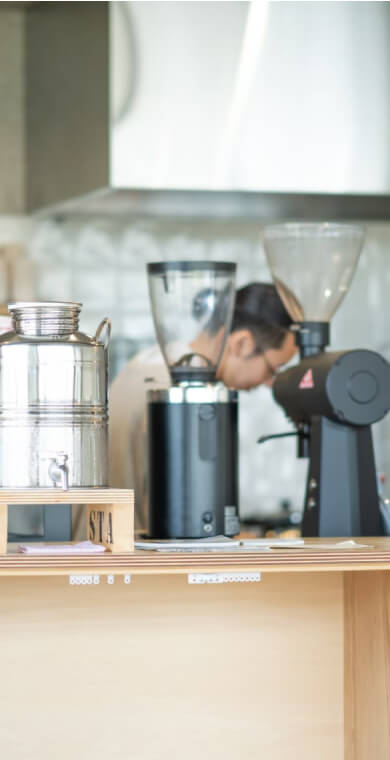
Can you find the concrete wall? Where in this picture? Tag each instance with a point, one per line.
(12, 112)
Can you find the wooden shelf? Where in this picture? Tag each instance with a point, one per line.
(109, 512)
(30, 496)
(140, 562)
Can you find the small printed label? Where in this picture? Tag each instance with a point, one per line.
(232, 523)
(233, 577)
(307, 380)
(84, 580)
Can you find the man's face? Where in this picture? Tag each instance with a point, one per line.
(244, 370)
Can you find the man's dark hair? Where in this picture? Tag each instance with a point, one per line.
(258, 308)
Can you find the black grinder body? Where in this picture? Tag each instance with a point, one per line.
(337, 396)
(193, 463)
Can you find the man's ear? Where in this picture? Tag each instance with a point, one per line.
(241, 344)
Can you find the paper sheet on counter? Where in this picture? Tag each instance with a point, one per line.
(223, 544)
(348, 544)
(301, 543)
(83, 547)
(217, 544)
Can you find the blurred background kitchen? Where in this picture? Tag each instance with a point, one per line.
(141, 131)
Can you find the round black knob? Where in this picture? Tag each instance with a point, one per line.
(207, 517)
(363, 387)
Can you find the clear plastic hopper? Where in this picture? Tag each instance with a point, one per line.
(192, 305)
(312, 266)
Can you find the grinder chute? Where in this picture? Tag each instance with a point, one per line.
(332, 397)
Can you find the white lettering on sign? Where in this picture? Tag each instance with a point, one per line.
(307, 380)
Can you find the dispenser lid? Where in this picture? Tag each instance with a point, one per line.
(312, 266)
(45, 318)
(192, 304)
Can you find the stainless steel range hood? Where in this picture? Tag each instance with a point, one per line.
(253, 108)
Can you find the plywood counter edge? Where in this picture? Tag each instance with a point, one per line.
(153, 563)
(57, 571)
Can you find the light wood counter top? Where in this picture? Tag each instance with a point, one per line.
(376, 557)
(295, 665)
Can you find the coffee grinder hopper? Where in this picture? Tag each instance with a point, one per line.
(312, 266)
(192, 305)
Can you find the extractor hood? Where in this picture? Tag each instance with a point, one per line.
(258, 108)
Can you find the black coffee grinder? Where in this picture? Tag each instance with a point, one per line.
(332, 397)
(192, 425)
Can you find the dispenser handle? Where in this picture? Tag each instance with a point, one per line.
(105, 323)
(302, 433)
(265, 438)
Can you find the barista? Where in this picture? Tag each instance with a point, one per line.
(260, 342)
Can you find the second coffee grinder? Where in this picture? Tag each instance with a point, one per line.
(332, 397)
(192, 425)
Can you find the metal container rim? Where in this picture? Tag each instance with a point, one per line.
(66, 305)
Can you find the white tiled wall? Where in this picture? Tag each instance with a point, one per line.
(101, 262)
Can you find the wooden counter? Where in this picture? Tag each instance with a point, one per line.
(375, 557)
(294, 666)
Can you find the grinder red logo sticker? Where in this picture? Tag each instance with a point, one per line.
(307, 380)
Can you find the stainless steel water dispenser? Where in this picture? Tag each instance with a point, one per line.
(53, 399)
